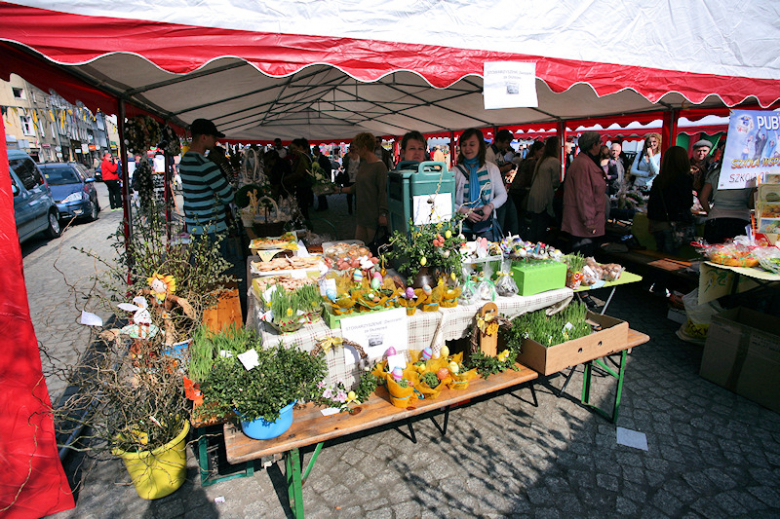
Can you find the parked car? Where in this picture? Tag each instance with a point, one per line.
(73, 190)
(34, 208)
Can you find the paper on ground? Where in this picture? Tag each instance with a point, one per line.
(635, 439)
(90, 319)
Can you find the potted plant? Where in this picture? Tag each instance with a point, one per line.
(574, 266)
(428, 252)
(261, 393)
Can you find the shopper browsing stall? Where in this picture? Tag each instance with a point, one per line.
(479, 187)
(671, 197)
(583, 199)
(370, 189)
(647, 163)
(413, 147)
(729, 212)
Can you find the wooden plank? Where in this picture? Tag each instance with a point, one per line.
(310, 427)
(226, 312)
(636, 338)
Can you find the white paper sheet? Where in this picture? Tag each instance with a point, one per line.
(432, 208)
(249, 359)
(509, 84)
(376, 332)
(635, 439)
(91, 319)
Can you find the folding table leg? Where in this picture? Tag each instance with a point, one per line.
(292, 463)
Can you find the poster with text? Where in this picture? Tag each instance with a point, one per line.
(752, 148)
(509, 84)
(376, 332)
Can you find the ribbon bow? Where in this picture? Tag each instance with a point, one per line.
(327, 343)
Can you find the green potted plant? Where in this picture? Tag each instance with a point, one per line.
(427, 252)
(259, 396)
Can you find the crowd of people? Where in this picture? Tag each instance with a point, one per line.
(499, 190)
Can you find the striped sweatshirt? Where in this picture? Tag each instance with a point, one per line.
(206, 194)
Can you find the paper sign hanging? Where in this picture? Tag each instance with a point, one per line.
(432, 208)
(509, 84)
(376, 332)
(752, 148)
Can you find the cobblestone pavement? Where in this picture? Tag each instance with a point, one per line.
(710, 453)
(57, 278)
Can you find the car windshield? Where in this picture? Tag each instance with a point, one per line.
(58, 176)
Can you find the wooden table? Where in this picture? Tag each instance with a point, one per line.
(311, 427)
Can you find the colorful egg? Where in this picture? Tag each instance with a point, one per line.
(427, 290)
(398, 374)
(410, 293)
(390, 351)
(445, 351)
(427, 353)
(448, 234)
(331, 294)
(442, 373)
(376, 284)
(358, 276)
(453, 367)
(423, 261)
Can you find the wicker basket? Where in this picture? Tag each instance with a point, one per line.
(269, 227)
(337, 367)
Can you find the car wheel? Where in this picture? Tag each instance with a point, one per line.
(94, 210)
(54, 230)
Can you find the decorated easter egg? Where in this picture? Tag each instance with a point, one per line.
(453, 367)
(351, 395)
(453, 276)
(423, 261)
(331, 294)
(398, 374)
(377, 275)
(445, 351)
(390, 351)
(427, 353)
(521, 252)
(410, 293)
(427, 290)
(446, 253)
(442, 373)
(448, 234)
(358, 276)
(376, 284)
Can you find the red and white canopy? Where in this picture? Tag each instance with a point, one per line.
(327, 70)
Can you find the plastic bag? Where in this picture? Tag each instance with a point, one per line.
(505, 284)
(699, 316)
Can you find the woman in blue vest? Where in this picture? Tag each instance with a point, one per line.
(479, 187)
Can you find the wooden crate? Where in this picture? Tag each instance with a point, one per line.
(226, 312)
(612, 338)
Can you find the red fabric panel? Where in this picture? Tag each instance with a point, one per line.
(33, 483)
(46, 76)
(69, 38)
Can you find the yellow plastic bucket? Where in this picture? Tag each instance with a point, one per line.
(160, 472)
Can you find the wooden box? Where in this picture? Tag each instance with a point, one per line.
(612, 338)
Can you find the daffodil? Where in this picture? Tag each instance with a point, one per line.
(503, 356)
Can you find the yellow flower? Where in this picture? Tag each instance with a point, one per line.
(503, 355)
(439, 225)
(289, 312)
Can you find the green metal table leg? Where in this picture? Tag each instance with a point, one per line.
(294, 487)
(295, 479)
(203, 463)
(619, 391)
(619, 375)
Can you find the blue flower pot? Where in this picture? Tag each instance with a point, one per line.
(260, 429)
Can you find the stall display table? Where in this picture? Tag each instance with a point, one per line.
(716, 280)
(425, 328)
(624, 279)
(310, 427)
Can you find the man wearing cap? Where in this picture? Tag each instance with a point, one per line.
(584, 211)
(700, 163)
(207, 194)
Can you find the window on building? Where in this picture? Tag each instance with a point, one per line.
(18, 93)
(27, 125)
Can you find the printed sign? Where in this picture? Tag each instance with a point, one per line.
(752, 148)
(376, 332)
(509, 84)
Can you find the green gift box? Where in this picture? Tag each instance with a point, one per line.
(536, 276)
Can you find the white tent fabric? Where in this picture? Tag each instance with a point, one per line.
(328, 70)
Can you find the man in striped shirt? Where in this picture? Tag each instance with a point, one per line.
(206, 191)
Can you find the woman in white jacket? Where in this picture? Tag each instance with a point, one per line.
(479, 187)
(648, 163)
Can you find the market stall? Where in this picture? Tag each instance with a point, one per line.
(322, 78)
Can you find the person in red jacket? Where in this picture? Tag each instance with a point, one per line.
(108, 168)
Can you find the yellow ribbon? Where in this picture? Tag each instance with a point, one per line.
(330, 342)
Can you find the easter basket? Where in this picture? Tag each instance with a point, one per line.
(338, 370)
(272, 224)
